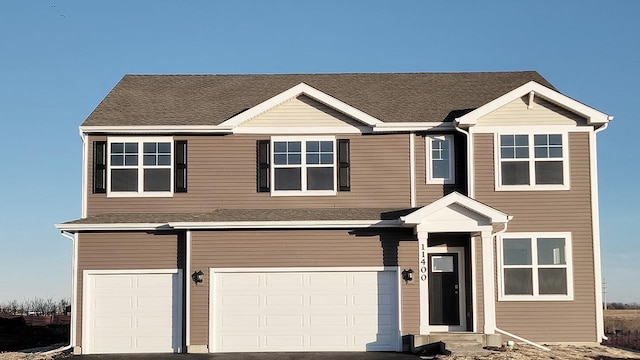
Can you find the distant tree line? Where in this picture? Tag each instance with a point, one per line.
(623, 306)
(35, 306)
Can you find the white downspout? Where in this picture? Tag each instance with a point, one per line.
(470, 187)
(412, 169)
(85, 175)
(595, 215)
(74, 292)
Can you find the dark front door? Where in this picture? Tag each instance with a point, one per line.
(444, 289)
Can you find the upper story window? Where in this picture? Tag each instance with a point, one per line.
(535, 266)
(139, 166)
(440, 159)
(532, 162)
(303, 165)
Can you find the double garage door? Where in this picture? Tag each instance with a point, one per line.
(320, 310)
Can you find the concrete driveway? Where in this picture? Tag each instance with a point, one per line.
(257, 356)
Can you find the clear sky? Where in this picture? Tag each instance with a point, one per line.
(59, 58)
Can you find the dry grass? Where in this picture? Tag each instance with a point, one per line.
(621, 321)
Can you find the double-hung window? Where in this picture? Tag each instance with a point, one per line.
(532, 162)
(303, 165)
(536, 266)
(139, 166)
(440, 159)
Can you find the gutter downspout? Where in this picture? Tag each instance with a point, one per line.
(470, 187)
(495, 236)
(74, 291)
(597, 262)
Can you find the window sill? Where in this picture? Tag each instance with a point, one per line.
(533, 188)
(533, 298)
(139, 195)
(303, 193)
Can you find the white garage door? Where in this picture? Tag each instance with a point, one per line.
(132, 313)
(304, 311)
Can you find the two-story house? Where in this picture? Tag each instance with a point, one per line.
(335, 212)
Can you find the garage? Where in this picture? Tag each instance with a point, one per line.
(132, 312)
(326, 309)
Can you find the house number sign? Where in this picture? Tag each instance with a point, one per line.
(423, 263)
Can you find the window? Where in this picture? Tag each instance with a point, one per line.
(440, 159)
(536, 266)
(303, 166)
(532, 162)
(139, 166)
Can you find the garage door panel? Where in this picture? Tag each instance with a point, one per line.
(133, 313)
(304, 311)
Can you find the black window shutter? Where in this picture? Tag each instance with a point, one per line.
(263, 166)
(180, 166)
(344, 171)
(99, 167)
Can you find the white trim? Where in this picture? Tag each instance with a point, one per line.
(85, 174)
(303, 166)
(73, 339)
(295, 91)
(109, 226)
(212, 290)
(140, 167)
(187, 287)
(526, 129)
(531, 160)
(595, 221)
(412, 126)
(86, 348)
(593, 116)
(533, 236)
(422, 277)
(462, 295)
(474, 286)
(429, 161)
(412, 170)
(156, 129)
(302, 130)
(488, 283)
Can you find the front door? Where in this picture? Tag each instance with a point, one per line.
(446, 291)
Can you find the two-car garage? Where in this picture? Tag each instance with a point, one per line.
(250, 310)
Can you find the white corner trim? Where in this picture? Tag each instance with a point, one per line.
(187, 287)
(157, 129)
(85, 174)
(412, 169)
(595, 221)
(300, 89)
(593, 116)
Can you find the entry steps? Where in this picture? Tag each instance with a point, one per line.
(460, 342)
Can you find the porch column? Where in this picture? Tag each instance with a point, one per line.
(488, 283)
(423, 278)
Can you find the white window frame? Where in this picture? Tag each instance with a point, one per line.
(303, 166)
(535, 266)
(429, 160)
(532, 162)
(140, 167)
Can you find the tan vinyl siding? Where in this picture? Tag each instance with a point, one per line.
(548, 211)
(302, 111)
(124, 251)
(293, 248)
(222, 174)
(543, 112)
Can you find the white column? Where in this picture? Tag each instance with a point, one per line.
(423, 277)
(488, 282)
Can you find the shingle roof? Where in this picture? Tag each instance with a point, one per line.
(212, 99)
(233, 215)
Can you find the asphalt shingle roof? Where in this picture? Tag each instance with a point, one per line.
(211, 99)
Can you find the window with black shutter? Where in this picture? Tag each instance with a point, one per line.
(263, 166)
(344, 166)
(180, 166)
(99, 167)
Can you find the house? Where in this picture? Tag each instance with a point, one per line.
(335, 212)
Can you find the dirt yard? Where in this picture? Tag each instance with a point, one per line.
(520, 352)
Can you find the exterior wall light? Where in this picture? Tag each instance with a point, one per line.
(197, 277)
(407, 275)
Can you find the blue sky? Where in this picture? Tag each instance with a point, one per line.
(59, 58)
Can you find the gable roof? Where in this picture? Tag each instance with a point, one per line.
(209, 100)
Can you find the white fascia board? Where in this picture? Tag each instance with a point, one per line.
(417, 216)
(412, 126)
(593, 116)
(116, 226)
(301, 89)
(158, 129)
(317, 224)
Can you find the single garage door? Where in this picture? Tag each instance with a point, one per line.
(323, 310)
(132, 313)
